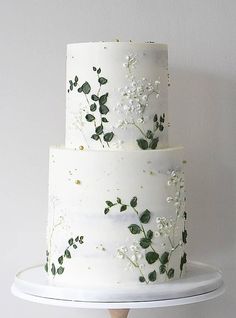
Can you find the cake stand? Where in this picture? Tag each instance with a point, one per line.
(201, 282)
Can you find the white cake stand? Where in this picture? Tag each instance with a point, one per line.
(201, 282)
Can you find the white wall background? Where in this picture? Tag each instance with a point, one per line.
(202, 108)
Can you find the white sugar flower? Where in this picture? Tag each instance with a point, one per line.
(159, 226)
(158, 219)
(141, 266)
(140, 120)
(169, 199)
(173, 173)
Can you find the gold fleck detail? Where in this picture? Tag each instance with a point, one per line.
(81, 147)
(152, 173)
(184, 161)
(77, 182)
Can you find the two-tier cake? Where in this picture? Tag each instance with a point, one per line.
(116, 190)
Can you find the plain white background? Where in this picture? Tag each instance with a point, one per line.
(202, 110)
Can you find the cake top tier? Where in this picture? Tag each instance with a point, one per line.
(116, 96)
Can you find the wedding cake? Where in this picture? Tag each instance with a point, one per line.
(117, 215)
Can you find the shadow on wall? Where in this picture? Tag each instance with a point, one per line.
(202, 113)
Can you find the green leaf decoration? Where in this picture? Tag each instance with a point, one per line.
(145, 216)
(153, 143)
(185, 215)
(157, 125)
(155, 118)
(77, 239)
(86, 88)
(184, 236)
(47, 253)
(183, 261)
(60, 260)
(149, 234)
(149, 134)
(142, 143)
(71, 87)
(133, 202)
(71, 241)
(94, 97)
(151, 257)
(53, 269)
(75, 84)
(103, 109)
(46, 267)
(162, 119)
(171, 273)
(164, 258)
(104, 120)
(95, 137)
(109, 203)
(60, 270)
(123, 208)
(134, 229)
(99, 71)
(76, 79)
(94, 68)
(99, 130)
(161, 127)
(141, 279)
(75, 246)
(67, 254)
(80, 89)
(162, 269)
(89, 117)
(81, 240)
(118, 200)
(152, 276)
(102, 80)
(145, 242)
(108, 136)
(70, 82)
(103, 99)
(106, 210)
(93, 107)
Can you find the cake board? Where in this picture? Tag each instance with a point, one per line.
(202, 282)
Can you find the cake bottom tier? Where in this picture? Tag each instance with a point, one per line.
(116, 218)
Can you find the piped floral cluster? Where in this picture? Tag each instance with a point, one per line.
(178, 199)
(143, 250)
(135, 99)
(145, 244)
(97, 105)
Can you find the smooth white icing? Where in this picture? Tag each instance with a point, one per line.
(137, 84)
(80, 182)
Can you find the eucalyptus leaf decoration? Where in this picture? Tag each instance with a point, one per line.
(150, 139)
(152, 256)
(59, 268)
(97, 106)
